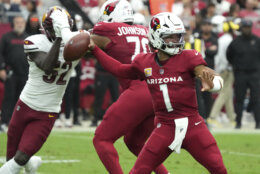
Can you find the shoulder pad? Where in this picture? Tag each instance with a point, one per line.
(35, 43)
(105, 28)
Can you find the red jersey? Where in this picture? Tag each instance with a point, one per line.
(171, 85)
(88, 71)
(127, 41)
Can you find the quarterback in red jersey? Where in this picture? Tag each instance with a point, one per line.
(170, 75)
(122, 40)
(119, 38)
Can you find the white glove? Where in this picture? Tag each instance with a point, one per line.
(57, 31)
(59, 21)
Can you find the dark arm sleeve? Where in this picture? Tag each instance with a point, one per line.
(229, 53)
(258, 39)
(211, 53)
(129, 71)
(2, 45)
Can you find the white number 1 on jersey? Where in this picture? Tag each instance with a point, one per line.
(166, 97)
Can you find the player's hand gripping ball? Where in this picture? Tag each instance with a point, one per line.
(76, 47)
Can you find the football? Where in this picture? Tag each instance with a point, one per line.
(76, 47)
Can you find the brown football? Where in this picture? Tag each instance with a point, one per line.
(76, 47)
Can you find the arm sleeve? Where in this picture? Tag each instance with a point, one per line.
(195, 59)
(229, 53)
(129, 71)
(211, 53)
(104, 29)
(2, 61)
(29, 46)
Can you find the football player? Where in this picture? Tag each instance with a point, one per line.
(40, 101)
(170, 75)
(132, 114)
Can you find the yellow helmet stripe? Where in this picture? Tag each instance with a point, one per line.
(44, 17)
(67, 13)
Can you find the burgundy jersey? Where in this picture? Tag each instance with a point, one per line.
(172, 85)
(127, 41)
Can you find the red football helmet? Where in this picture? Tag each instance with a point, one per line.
(47, 22)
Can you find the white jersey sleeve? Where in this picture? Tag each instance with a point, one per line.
(37, 43)
(44, 92)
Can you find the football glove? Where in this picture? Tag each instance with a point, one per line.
(60, 21)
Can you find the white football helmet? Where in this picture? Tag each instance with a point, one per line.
(139, 19)
(116, 11)
(163, 25)
(217, 22)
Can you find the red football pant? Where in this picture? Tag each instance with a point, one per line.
(198, 142)
(28, 130)
(130, 116)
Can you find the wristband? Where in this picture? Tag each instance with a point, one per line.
(218, 84)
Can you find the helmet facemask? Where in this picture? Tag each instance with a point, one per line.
(172, 43)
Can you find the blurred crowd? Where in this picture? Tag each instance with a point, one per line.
(225, 32)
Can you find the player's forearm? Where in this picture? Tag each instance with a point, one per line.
(50, 61)
(113, 66)
(211, 81)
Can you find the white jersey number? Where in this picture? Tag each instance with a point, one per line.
(166, 97)
(144, 43)
(54, 75)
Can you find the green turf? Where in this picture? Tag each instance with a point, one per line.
(241, 154)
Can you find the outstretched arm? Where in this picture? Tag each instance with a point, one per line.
(100, 41)
(210, 80)
(113, 66)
